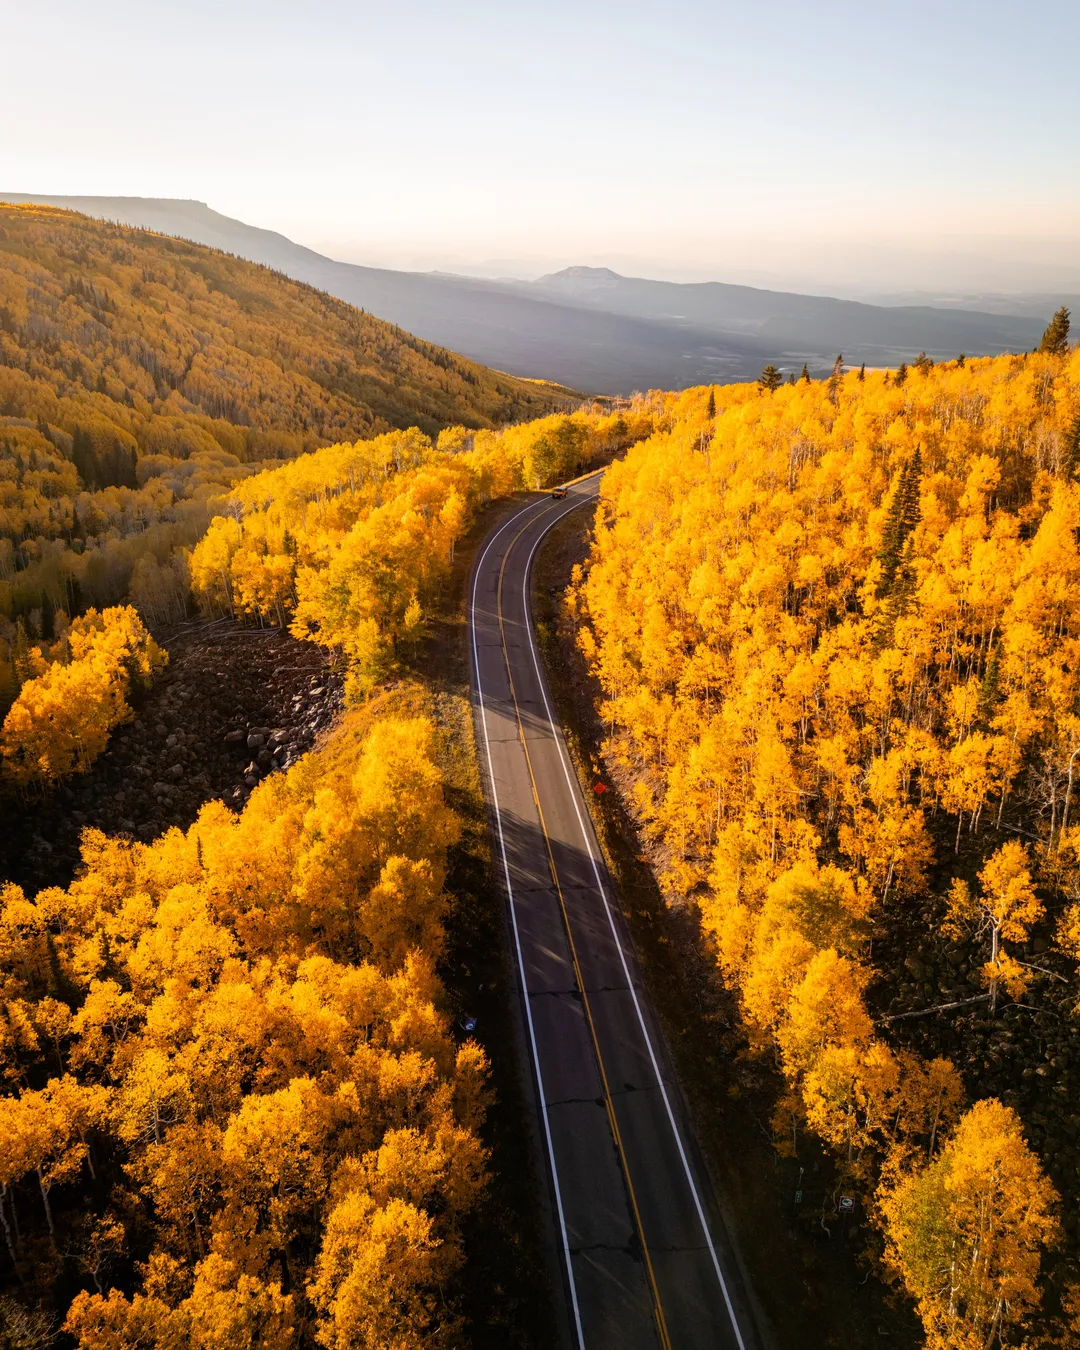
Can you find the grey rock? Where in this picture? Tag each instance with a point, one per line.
(251, 780)
(264, 759)
(176, 771)
(233, 737)
(256, 740)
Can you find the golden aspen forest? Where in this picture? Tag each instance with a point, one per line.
(236, 1110)
(832, 629)
(835, 626)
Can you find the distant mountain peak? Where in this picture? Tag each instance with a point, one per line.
(595, 276)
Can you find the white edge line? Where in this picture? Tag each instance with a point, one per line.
(575, 792)
(513, 922)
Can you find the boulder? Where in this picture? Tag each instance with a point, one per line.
(256, 740)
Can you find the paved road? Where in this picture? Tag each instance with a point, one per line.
(643, 1259)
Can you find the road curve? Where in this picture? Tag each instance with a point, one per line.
(643, 1257)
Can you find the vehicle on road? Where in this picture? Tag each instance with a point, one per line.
(558, 492)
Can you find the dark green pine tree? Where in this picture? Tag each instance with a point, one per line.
(901, 594)
(862, 372)
(923, 364)
(84, 458)
(961, 359)
(710, 407)
(791, 377)
(805, 374)
(904, 515)
(1070, 455)
(48, 618)
(988, 691)
(901, 373)
(770, 378)
(1055, 341)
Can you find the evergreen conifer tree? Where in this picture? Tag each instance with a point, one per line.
(770, 378)
(862, 372)
(1055, 340)
(805, 374)
(901, 373)
(900, 594)
(1070, 457)
(710, 407)
(904, 515)
(989, 690)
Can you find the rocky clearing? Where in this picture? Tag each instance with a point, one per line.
(233, 705)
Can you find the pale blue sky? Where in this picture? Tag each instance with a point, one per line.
(700, 138)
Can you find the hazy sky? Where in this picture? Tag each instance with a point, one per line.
(698, 139)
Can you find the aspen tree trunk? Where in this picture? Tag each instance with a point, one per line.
(7, 1230)
(48, 1208)
(1068, 798)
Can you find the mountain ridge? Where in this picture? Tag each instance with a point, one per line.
(591, 328)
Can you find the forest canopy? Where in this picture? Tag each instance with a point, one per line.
(836, 630)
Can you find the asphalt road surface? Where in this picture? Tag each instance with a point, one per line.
(644, 1260)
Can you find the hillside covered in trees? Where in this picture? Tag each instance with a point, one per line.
(141, 376)
(836, 627)
(141, 379)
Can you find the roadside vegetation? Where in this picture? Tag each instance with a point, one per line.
(835, 627)
(240, 1104)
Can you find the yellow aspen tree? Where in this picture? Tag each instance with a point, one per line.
(966, 1233)
(1003, 910)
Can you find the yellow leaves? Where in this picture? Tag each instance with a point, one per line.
(184, 944)
(247, 1068)
(826, 1008)
(375, 1277)
(226, 1308)
(229, 1309)
(405, 909)
(965, 1233)
(44, 1132)
(1008, 894)
(61, 721)
(984, 473)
